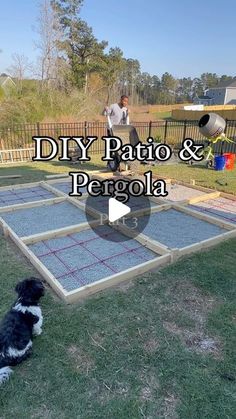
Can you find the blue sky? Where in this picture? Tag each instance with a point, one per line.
(182, 37)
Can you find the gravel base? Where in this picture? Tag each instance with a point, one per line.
(30, 221)
(23, 195)
(220, 207)
(85, 257)
(176, 230)
(66, 187)
(178, 193)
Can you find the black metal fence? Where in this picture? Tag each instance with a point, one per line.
(171, 132)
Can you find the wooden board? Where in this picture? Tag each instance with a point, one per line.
(32, 204)
(51, 188)
(19, 186)
(10, 177)
(203, 198)
(61, 175)
(60, 232)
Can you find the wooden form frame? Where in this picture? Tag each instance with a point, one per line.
(30, 203)
(178, 252)
(20, 185)
(46, 274)
(72, 296)
(166, 255)
(49, 186)
(59, 197)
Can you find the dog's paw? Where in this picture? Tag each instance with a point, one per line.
(5, 373)
(37, 331)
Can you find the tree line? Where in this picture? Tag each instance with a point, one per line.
(71, 59)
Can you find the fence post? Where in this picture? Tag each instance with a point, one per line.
(38, 129)
(185, 127)
(150, 129)
(165, 132)
(226, 126)
(85, 129)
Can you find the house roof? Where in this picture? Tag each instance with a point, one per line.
(4, 78)
(204, 97)
(224, 85)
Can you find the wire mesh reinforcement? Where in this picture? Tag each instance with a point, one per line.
(23, 195)
(26, 222)
(83, 258)
(176, 229)
(219, 207)
(66, 187)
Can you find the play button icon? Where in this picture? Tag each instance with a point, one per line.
(111, 212)
(116, 210)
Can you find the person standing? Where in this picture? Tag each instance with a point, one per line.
(118, 112)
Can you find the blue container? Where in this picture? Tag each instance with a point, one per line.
(220, 162)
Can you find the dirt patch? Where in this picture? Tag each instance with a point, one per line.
(125, 286)
(150, 385)
(81, 361)
(108, 392)
(189, 299)
(195, 341)
(170, 404)
(151, 345)
(97, 340)
(186, 299)
(146, 393)
(43, 413)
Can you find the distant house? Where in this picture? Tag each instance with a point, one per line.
(203, 100)
(6, 83)
(222, 94)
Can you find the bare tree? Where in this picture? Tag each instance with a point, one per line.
(19, 69)
(49, 33)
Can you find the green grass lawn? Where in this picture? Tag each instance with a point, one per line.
(222, 181)
(161, 346)
(161, 115)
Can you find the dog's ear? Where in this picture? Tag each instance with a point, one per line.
(30, 290)
(37, 287)
(19, 287)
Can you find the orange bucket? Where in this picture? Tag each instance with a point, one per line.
(230, 159)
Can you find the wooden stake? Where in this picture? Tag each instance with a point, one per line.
(204, 197)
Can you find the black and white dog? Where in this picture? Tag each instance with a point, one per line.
(19, 325)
